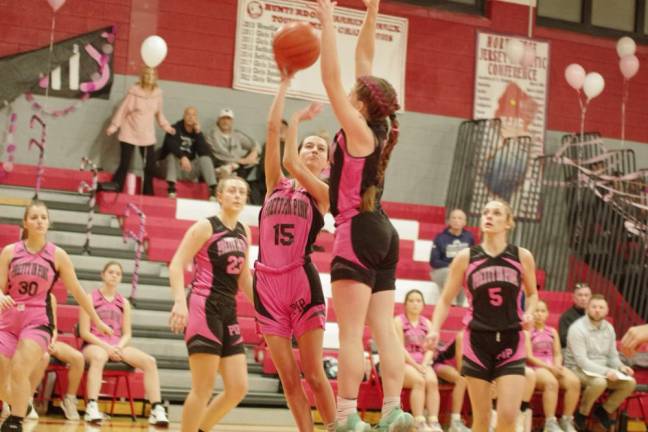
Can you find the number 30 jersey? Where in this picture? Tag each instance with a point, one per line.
(32, 275)
(494, 288)
(288, 226)
(219, 262)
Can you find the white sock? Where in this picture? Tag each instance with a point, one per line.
(455, 417)
(330, 427)
(345, 407)
(389, 403)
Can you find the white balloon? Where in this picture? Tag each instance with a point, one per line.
(153, 51)
(515, 51)
(594, 85)
(626, 47)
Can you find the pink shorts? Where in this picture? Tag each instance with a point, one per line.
(213, 327)
(289, 303)
(24, 322)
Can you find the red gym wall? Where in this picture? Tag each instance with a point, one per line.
(440, 66)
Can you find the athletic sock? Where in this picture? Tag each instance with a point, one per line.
(345, 407)
(389, 403)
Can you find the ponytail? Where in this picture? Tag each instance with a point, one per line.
(370, 195)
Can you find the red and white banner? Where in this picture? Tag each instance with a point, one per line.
(516, 94)
(258, 20)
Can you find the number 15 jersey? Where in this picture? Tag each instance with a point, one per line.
(494, 286)
(288, 226)
(219, 262)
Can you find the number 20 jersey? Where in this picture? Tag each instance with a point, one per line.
(219, 262)
(288, 226)
(494, 288)
(32, 275)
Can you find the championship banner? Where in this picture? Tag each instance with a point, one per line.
(79, 65)
(517, 95)
(258, 20)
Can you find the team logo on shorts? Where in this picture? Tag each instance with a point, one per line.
(234, 330)
(299, 305)
(506, 354)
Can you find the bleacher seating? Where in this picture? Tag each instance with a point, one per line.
(167, 221)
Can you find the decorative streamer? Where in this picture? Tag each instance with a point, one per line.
(8, 164)
(40, 109)
(139, 243)
(84, 187)
(41, 147)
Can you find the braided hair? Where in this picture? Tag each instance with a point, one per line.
(381, 101)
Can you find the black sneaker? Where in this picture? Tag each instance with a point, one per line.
(12, 424)
(603, 417)
(580, 421)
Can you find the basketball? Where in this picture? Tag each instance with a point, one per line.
(296, 46)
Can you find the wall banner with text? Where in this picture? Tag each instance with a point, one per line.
(517, 95)
(258, 20)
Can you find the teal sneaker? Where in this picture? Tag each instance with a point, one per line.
(396, 421)
(353, 424)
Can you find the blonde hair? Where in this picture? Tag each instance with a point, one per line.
(509, 211)
(221, 184)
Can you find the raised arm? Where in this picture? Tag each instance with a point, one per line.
(314, 185)
(69, 278)
(193, 240)
(365, 47)
(360, 137)
(272, 161)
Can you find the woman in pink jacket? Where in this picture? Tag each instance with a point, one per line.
(134, 119)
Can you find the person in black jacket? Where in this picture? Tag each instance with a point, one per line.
(187, 154)
(446, 245)
(582, 295)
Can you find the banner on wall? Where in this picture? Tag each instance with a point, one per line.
(79, 65)
(258, 20)
(517, 95)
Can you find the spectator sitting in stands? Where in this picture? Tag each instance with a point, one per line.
(445, 247)
(592, 354)
(582, 295)
(234, 152)
(545, 355)
(187, 152)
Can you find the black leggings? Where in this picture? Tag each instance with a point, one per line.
(148, 156)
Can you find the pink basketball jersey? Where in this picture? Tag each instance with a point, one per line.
(542, 343)
(111, 312)
(32, 275)
(288, 226)
(219, 262)
(414, 336)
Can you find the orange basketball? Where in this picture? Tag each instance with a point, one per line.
(296, 46)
